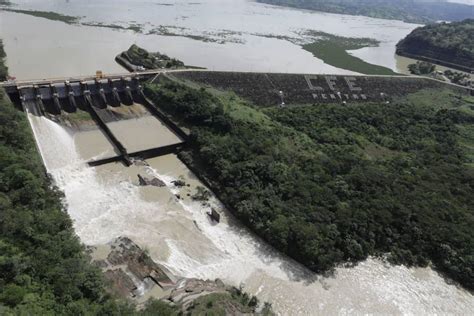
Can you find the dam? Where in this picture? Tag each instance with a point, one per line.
(103, 97)
(107, 201)
(99, 98)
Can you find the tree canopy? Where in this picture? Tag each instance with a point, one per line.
(414, 11)
(327, 183)
(452, 43)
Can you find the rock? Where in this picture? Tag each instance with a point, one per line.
(179, 183)
(150, 181)
(122, 284)
(178, 196)
(214, 215)
(220, 283)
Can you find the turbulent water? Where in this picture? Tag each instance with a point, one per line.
(106, 202)
(58, 49)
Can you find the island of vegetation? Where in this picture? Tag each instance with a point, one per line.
(137, 58)
(44, 269)
(447, 44)
(414, 11)
(328, 183)
(333, 50)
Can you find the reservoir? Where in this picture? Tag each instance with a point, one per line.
(106, 201)
(231, 35)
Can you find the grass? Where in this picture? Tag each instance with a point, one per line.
(466, 140)
(439, 99)
(47, 15)
(76, 117)
(225, 303)
(73, 19)
(446, 99)
(240, 110)
(132, 27)
(333, 49)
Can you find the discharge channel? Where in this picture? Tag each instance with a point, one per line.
(107, 202)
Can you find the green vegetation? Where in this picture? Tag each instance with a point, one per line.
(133, 27)
(421, 68)
(457, 77)
(449, 44)
(333, 49)
(141, 57)
(231, 302)
(236, 302)
(328, 183)
(3, 66)
(414, 11)
(137, 28)
(76, 118)
(47, 15)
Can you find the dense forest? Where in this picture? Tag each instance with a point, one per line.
(450, 44)
(414, 11)
(328, 183)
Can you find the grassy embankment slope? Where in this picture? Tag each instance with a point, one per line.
(448, 44)
(328, 184)
(43, 269)
(413, 11)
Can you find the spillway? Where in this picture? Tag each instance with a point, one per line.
(106, 202)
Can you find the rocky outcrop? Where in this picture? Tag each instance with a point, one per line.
(132, 274)
(189, 290)
(129, 269)
(150, 181)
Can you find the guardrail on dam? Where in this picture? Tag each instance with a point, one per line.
(92, 96)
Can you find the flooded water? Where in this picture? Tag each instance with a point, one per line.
(180, 235)
(43, 48)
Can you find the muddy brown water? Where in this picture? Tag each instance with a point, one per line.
(106, 202)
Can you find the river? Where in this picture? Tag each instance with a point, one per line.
(106, 202)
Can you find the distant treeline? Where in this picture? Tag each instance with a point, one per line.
(451, 44)
(414, 11)
(328, 183)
